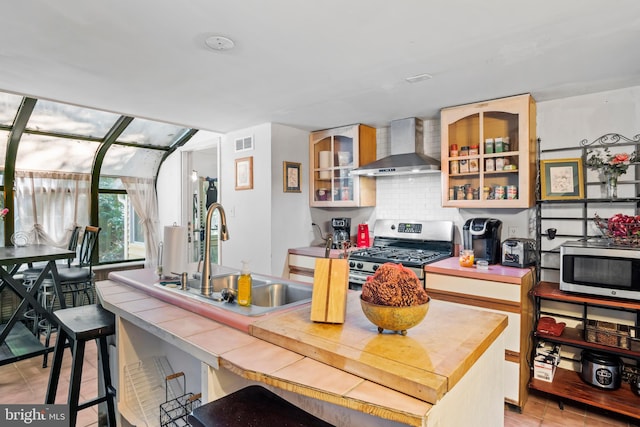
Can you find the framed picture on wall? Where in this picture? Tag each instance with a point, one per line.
(291, 177)
(561, 179)
(244, 173)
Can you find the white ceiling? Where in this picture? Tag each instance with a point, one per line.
(312, 64)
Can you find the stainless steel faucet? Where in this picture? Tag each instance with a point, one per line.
(205, 279)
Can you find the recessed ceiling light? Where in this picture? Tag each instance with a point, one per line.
(219, 43)
(418, 78)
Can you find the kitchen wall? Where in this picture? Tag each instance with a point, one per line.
(248, 211)
(264, 222)
(563, 124)
(291, 217)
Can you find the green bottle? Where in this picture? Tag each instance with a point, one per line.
(244, 285)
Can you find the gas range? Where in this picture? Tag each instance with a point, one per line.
(411, 243)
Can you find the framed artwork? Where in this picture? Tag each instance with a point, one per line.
(291, 177)
(244, 173)
(561, 179)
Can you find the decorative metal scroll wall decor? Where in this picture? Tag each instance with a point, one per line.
(610, 165)
(610, 139)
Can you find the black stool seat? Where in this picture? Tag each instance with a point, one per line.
(86, 322)
(252, 406)
(79, 325)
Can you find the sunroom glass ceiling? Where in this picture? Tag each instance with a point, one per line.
(62, 137)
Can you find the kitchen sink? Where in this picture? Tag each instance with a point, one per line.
(267, 294)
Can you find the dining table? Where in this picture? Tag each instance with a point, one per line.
(16, 341)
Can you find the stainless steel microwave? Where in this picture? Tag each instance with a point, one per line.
(600, 269)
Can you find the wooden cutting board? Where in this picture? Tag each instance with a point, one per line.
(425, 363)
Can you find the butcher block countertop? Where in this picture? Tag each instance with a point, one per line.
(426, 363)
(496, 272)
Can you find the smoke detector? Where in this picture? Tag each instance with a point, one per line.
(419, 78)
(219, 43)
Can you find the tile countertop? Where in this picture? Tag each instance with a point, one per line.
(496, 272)
(130, 297)
(143, 280)
(221, 346)
(319, 251)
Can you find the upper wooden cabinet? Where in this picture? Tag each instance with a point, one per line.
(333, 153)
(489, 154)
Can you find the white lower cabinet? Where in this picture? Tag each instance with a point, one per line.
(511, 386)
(301, 267)
(508, 298)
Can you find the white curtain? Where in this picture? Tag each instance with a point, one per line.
(50, 204)
(142, 194)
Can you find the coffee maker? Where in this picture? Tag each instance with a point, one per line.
(483, 236)
(341, 231)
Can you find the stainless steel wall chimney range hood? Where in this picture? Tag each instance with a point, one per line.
(407, 153)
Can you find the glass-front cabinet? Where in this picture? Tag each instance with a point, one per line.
(488, 154)
(334, 153)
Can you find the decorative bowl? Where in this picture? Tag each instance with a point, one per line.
(20, 239)
(397, 319)
(620, 229)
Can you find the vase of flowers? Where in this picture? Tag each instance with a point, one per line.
(610, 166)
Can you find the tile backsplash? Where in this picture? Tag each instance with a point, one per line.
(412, 196)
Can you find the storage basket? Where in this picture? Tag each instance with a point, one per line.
(619, 233)
(174, 411)
(147, 387)
(612, 334)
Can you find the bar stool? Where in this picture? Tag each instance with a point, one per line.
(47, 297)
(79, 325)
(31, 315)
(252, 406)
(41, 326)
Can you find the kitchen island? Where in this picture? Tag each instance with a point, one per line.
(345, 374)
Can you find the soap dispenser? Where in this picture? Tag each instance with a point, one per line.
(244, 285)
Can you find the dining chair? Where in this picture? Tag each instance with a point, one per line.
(30, 275)
(78, 278)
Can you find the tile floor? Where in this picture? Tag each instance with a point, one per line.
(541, 411)
(26, 382)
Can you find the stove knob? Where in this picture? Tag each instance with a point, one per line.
(375, 267)
(352, 264)
(360, 265)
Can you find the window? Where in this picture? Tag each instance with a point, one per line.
(137, 233)
(121, 236)
(57, 152)
(111, 219)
